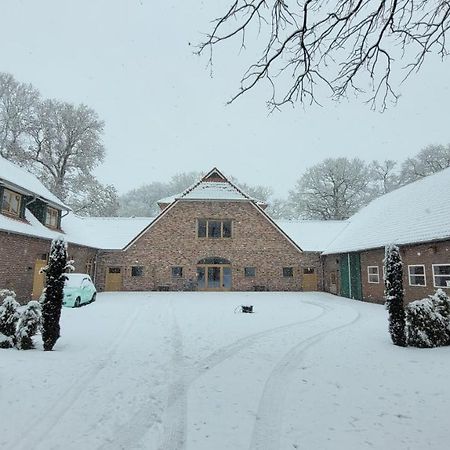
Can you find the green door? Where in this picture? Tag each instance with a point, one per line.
(350, 269)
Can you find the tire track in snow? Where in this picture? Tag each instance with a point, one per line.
(174, 435)
(43, 425)
(267, 429)
(175, 415)
(174, 430)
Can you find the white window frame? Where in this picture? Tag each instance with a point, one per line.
(377, 274)
(434, 276)
(416, 275)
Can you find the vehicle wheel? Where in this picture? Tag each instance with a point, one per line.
(93, 297)
(77, 302)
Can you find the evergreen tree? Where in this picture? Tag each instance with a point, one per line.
(52, 304)
(9, 314)
(393, 294)
(27, 325)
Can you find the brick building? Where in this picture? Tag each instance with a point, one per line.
(416, 217)
(213, 237)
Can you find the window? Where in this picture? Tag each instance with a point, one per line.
(308, 270)
(288, 272)
(416, 275)
(441, 275)
(11, 202)
(177, 272)
(114, 269)
(373, 274)
(137, 271)
(213, 228)
(250, 271)
(52, 217)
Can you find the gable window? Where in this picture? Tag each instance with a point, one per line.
(51, 217)
(177, 272)
(250, 271)
(11, 202)
(213, 228)
(416, 274)
(441, 275)
(288, 272)
(373, 274)
(137, 271)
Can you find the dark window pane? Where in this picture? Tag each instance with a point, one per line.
(201, 228)
(288, 271)
(226, 228)
(214, 228)
(250, 271)
(201, 277)
(177, 272)
(114, 270)
(137, 271)
(308, 270)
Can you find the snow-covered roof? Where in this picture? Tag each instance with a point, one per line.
(25, 182)
(312, 235)
(213, 186)
(417, 212)
(107, 233)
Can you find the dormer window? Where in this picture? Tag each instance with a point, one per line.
(51, 217)
(11, 203)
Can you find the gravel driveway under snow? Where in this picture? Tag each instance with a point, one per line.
(169, 371)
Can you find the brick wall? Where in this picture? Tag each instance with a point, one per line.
(18, 257)
(426, 254)
(173, 241)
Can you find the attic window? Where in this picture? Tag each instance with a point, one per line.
(11, 203)
(51, 217)
(213, 228)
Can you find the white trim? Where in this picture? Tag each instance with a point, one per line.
(377, 274)
(434, 277)
(417, 275)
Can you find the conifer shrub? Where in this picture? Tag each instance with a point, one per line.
(52, 303)
(9, 316)
(427, 321)
(28, 325)
(393, 294)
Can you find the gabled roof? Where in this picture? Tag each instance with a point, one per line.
(213, 186)
(415, 213)
(312, 235)
(25, 182)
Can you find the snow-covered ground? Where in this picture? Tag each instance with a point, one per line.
(184, 371)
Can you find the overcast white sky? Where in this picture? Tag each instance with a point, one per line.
(130, 60)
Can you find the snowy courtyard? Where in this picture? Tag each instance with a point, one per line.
(188, 371)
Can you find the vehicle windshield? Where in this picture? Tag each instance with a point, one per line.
(74, 280)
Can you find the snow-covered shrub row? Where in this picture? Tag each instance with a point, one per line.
(18, 327)
(428, 320)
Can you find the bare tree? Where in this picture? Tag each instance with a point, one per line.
(346, 45)
(88, 197)
(18, 102)
(429, 160)
(333, 189)
(65, 143)
(385, 176)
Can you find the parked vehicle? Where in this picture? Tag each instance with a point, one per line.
(78, 290)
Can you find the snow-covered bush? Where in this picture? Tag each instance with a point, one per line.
(52, 303)
(9, 315)
(427, 321)
(27, 325)
(393, 294)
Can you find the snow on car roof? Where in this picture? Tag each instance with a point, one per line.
(417, 212)
(23, 180)
(312, 235)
